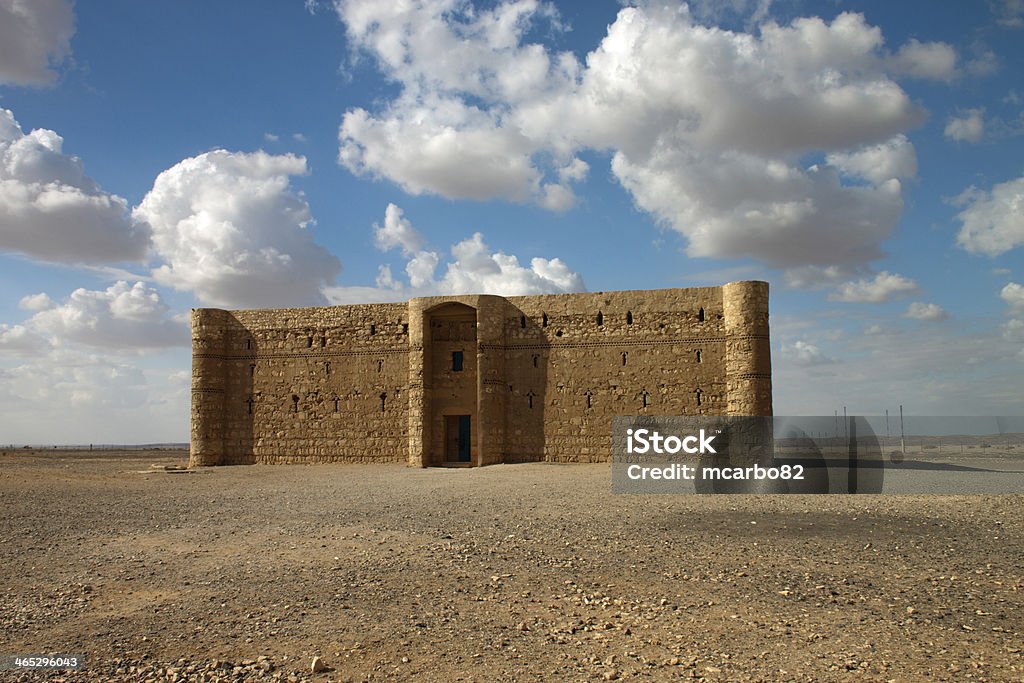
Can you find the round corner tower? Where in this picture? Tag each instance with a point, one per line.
(748, 365)
(206, 444)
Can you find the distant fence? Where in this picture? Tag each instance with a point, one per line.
(955, 444)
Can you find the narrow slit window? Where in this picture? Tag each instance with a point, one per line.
(295, 403)
(405, 328)
(252, 370)
(629, 317)
(309, 342)
(373, 329)
(544, 320)
(700, 315)
(522, 321)
(699, 358)
(336, 404)
(380, 366)
(536, 360)
(383, 401)
(249, 404)
(323, 342)
(646, 399)
(590, 399)
(327, 368)
(456, 361)
(248, 343)
(529, 399)
(600, 318)
(699, 393)
(625, 355)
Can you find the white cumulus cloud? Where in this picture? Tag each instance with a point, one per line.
(473, 269)
(1013, 330)
(51, 210)
(806, 277)
(441, 147)
(968, 127)
(396, 231)
(478, 270)
(35, 35)
(806, 354)
(922, 311)
(705, 127)
(36, 302)
(1013, 295)
(230, 228)
(993, 222)
(933, 61)
(432, 138)
(127, 316)
(885, 286)
(19, 340)
(893, 158)
(420, 269)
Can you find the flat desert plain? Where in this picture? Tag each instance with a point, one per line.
(505, 573)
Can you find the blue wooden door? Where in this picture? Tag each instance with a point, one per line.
(464, 441)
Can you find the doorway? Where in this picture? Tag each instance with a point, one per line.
(457, 438)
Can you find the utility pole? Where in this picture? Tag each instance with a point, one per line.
(851, 457)
(903, 436)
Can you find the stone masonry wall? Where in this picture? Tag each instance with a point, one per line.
(542, 375)
(307, 384)
(580, 361)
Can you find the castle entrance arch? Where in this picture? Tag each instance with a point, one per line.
(451, 383)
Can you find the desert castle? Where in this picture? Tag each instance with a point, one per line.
(471, 380)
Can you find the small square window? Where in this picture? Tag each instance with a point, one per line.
(456, 361)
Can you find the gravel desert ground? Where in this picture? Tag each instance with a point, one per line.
(505, 573)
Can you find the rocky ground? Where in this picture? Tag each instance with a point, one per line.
(505, 573)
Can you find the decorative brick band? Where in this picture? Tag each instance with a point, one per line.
(624, 342)
(310, 354)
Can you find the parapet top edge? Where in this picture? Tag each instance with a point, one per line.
(430, 300)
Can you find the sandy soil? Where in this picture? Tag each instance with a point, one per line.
(505, 573)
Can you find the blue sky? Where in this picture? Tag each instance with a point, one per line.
(865, 158)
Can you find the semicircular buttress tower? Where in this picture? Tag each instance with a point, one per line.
(748, 365)
(209, 330)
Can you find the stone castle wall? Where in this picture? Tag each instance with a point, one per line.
(539, 377)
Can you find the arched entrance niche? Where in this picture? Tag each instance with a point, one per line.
(450, 381)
